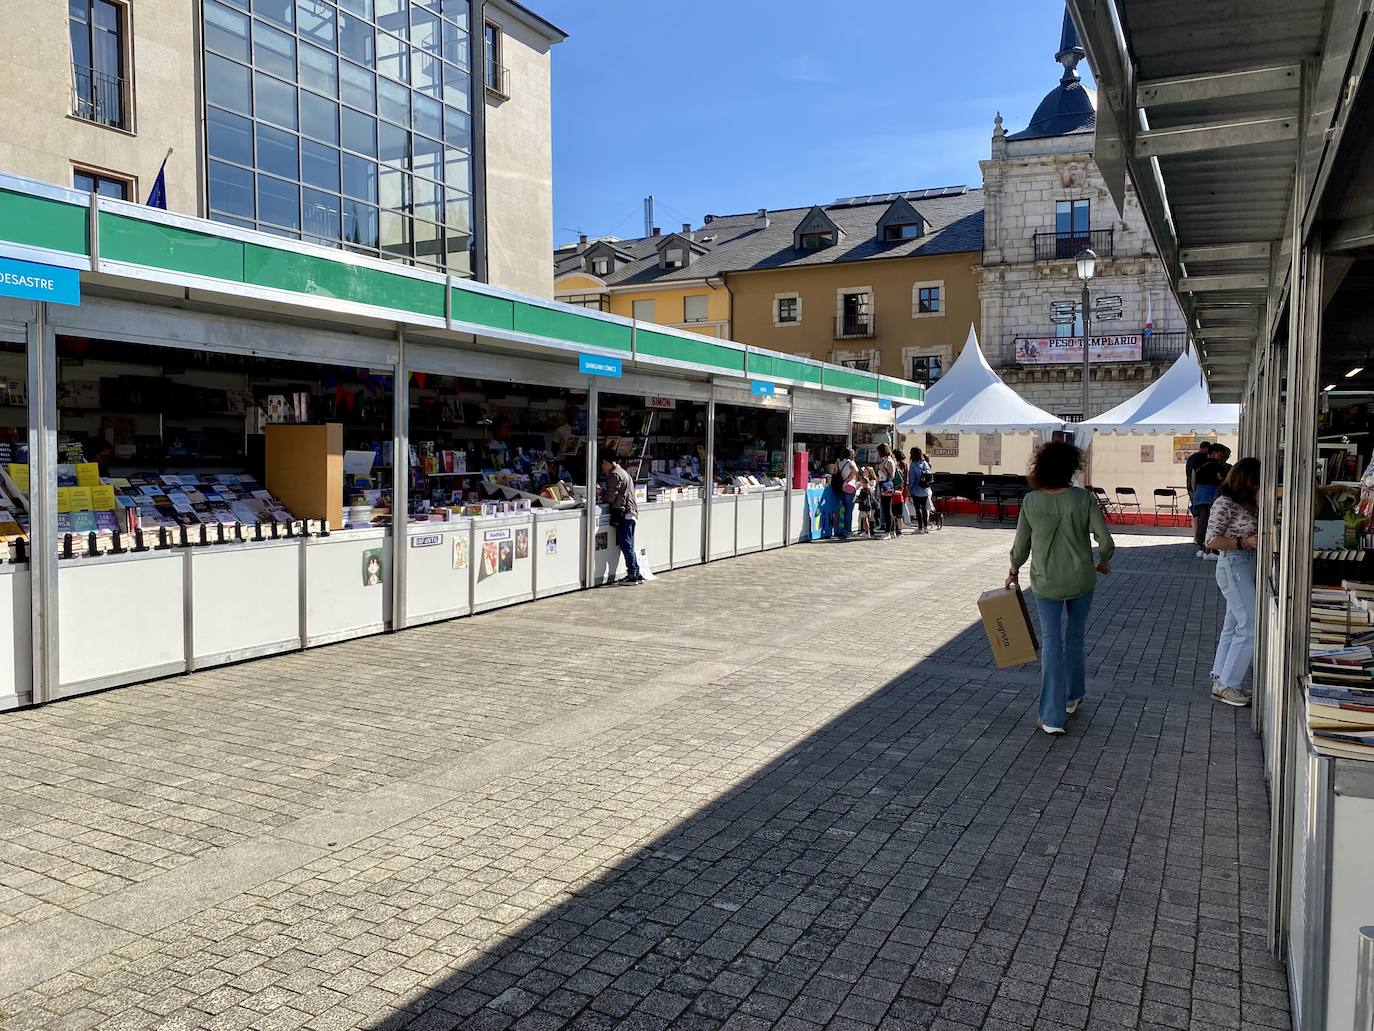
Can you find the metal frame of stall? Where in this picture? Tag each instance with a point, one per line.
(1321, 808)
(163, 279)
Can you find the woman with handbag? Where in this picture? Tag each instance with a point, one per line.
(1054, 531)
(919, 478)
(899, 490)
(887, 473)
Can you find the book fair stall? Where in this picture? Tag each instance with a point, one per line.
(205, 423)
(1270, 251)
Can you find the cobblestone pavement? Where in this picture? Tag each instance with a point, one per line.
(784, 791)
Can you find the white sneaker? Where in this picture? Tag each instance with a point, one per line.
(1052, 731)
(1230, 696)
(1072, 707)
(1201, 553)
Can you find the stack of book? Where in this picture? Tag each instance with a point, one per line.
(1340, 714)
(1340, 687)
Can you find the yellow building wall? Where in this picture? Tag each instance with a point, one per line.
(898, 332)
(668, 307)
(578, 283)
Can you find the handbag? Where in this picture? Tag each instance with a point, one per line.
(617, 517)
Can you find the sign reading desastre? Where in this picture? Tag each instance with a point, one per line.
(427, 540)
(597, 365)
(1069, 350)
(35, 282)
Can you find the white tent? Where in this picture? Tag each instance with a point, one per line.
(972, 398)
(1176, 403)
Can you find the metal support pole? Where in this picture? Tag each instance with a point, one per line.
(593, 420)
(787, 462)
(708, 479)
(1364, 981)
(400, 482)
(42, 415)
(1087, 340)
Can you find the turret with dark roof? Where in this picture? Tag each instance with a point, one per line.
(1070, 107)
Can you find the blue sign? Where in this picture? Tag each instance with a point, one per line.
(762, 388)
(885, 404)
(39, 282)
(595, 365)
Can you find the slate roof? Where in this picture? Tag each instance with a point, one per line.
(1067, 109)
(954, 224)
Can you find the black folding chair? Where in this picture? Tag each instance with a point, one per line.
(1166, 500)
(1126, 502)
(1104, 501)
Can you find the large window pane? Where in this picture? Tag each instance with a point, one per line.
(428, 242)
(427, 200)
(278, 152)
(427, 157)
(427, 116)
(395, 234)
(319, 166)
(393, 101)
(358, 87)
(227, 85)
(457, 88)
(457, 11)
(459, 250)
(392, 15)
(320, 214)
(393, 57)
(458, 211)
(360, 178)
(458, 168)
(319, 117)
(362, 8)
(276, 101)
(315, 20)
(279, 202)
(356, 40)
(280, 11)
(393, 144)
(231, 190)
(229, 136)
(319, 70)
(424, 72)
(274, 51)
(424, 30)
(226, 31)
(394, 188)
(360, 224)
(455, 46)
(360, 132)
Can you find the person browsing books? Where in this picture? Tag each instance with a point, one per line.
(620, 498)
(1233, 531)
(844, 484)
(1054, 531)
(1206, 479)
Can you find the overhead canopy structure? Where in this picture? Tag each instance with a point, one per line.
(1176, 403)
(973, 398)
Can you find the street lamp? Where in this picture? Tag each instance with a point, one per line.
(1087, 266)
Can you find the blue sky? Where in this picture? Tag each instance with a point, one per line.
(723, 106)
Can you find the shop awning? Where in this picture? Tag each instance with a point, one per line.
(973, 398)
(1176, 403)
(1199, 104)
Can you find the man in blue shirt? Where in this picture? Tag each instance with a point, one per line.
(1206, 479)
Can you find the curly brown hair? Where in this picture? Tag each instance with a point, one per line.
(1054, 464)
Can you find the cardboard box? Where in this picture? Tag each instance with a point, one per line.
(1007, 622)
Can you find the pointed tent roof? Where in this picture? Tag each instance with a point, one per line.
(973, 398)
(1177, 402)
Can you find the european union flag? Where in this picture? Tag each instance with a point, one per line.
(157, 198)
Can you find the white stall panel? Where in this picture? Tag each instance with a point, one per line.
(687, 527)
(245, 601)
(797, 528)
(774, 519)
(1352, 902)
(654, 536)
(120, 619)
(559, 544)
(16, 669)
(502, 563)
(749, 525)
(438, 581)
(347, 585)
(723, 526)
(606, 561)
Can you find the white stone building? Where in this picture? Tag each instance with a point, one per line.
(1045, 202)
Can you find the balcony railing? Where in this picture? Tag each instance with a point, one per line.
(848, 327)
(98, 97)
(1066, 246)
(498, 80)
(1158, 347)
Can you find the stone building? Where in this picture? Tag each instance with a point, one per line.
(1045, 201)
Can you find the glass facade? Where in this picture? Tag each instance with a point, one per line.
(343, 123)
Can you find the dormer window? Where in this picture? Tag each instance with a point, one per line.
(674, 257)
(817, 241)
(601, 266)
(909, 231)
(677, 250)
(901, 221)
(816, 231)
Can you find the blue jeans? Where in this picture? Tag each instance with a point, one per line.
(847, 515)
(625, 540)
(1236, 578)
(1062, 678)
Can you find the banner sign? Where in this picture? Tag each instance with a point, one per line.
(1069, 350)
(658, 401)
(885, 404)
(596, 365)
(39, 282)
(762, 388)
(989, 449)
(942, 445)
